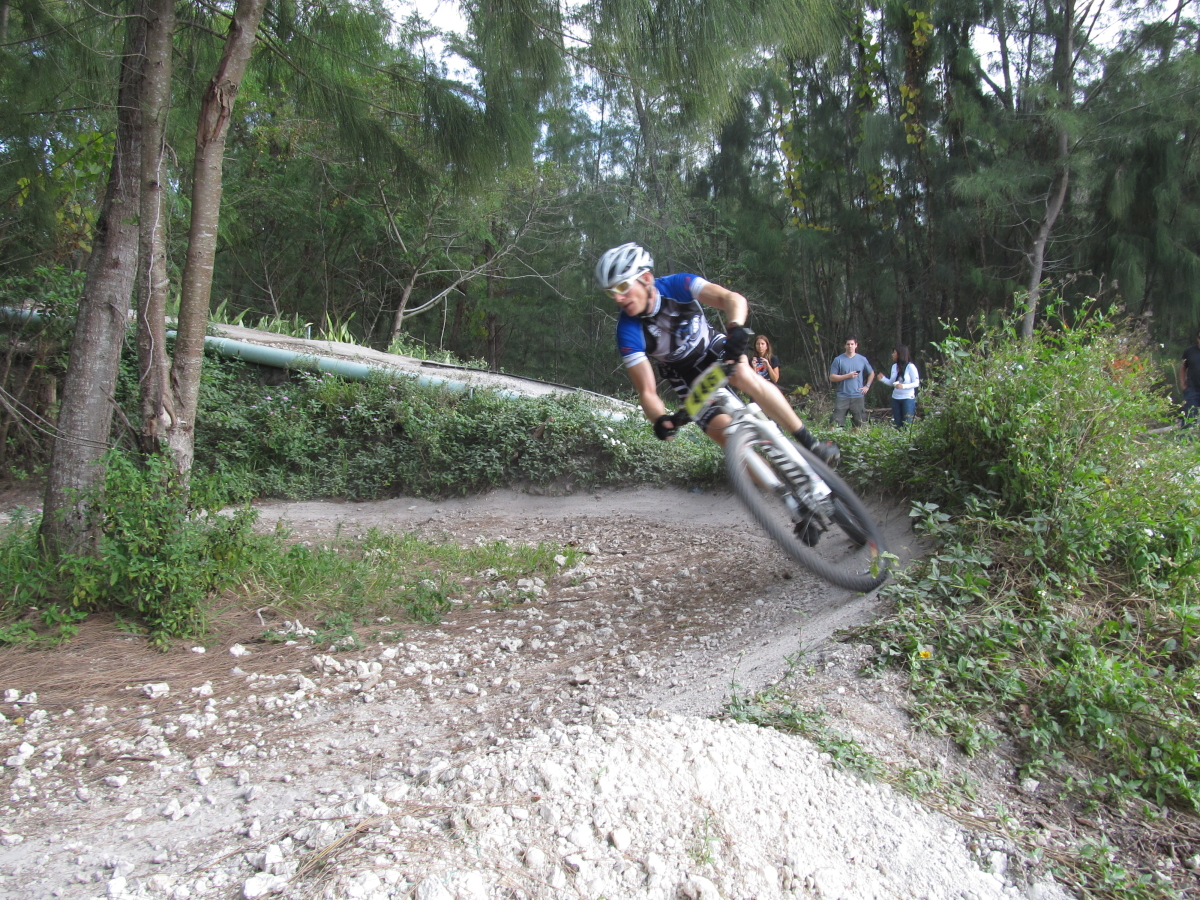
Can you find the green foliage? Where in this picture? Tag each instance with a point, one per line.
(293, 326)
(407, 345)
(33, 356)
(54, 291)
(338, 332)
(323, 436)
(1040, 424)
(1098, 870)
(1060, 603)
(393, 574)
(157, 557)
(160, 557)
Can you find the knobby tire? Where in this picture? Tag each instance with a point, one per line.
(849, 513)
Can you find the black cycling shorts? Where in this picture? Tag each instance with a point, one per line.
(683, 374)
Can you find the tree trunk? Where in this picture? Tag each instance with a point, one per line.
(1037, 254)
(1002, 38)
(1064, 62)
(157, 406)
(85, 416)
(213, 125)
(398, 321)
(653, 158)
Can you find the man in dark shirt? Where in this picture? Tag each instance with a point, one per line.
(1189, 382)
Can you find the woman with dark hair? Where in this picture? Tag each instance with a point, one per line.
(764, 362)
(904, 381)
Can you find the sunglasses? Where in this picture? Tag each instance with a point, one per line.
(618, 289)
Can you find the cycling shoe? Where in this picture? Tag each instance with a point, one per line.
(827, 452)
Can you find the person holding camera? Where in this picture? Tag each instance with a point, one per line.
(765, 362)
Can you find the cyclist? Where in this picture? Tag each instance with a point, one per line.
(662, 319)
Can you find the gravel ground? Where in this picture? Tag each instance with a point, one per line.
(561, 747)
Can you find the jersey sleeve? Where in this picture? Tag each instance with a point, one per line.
(682, 287)
(631, 341)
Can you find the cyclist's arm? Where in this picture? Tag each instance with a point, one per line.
(1183, 375)
(734, 304)
(646, 385)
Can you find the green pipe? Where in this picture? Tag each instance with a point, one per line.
(288, 359)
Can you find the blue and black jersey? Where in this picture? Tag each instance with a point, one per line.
(675, 333)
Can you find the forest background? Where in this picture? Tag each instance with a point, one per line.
(866, 172)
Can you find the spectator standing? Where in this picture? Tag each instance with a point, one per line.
(904, 382)
(765, 363)
(847, 373)
(1189, 382)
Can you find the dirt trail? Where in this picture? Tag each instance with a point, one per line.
(753, 605)
(452, 761)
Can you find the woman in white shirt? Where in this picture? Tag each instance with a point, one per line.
(904, 381)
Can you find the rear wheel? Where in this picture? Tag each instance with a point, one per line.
(840, 543)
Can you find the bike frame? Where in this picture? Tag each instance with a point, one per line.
(812, 494)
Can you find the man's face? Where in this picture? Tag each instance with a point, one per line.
(635, 301)
(851, 346)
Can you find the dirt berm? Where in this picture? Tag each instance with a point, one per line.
(569, 746)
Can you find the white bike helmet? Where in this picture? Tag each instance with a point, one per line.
(622, 263)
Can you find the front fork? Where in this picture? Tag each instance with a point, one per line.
(815, 492)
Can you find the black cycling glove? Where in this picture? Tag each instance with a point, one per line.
(679, 418)
(736, 342)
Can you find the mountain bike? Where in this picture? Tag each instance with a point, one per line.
(810, 512)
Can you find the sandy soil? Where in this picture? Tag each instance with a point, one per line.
(110, 791)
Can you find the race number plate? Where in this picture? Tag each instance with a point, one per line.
(710, 381)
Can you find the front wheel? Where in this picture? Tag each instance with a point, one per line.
(841, 544)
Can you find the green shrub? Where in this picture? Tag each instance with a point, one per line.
(157, 557)
(1059, 604)
(324, 436)
(1037, 423)
(407, 345)
(162, 554)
